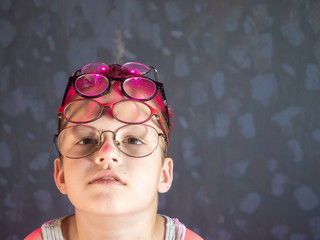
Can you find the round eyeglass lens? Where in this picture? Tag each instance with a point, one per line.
(95, 68)
(133, 140)
(136, 68)
(139, 88)
(82, 111)
(130, 111)
(137, 140)
(78, 141)
(91, 85)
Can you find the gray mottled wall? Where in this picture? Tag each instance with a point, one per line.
(242, 76)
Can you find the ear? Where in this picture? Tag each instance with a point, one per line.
(166, 175)
(59, 175)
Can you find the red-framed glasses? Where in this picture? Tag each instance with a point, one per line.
(127, 111)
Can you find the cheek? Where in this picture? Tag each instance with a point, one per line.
(147, 171)
(75, 169)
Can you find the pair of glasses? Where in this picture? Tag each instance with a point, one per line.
(135, 140)
(94, 80)
(127, 111)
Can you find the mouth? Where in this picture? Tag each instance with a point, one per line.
(107, 178)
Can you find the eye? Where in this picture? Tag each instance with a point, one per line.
(133, 140)
(87, 140)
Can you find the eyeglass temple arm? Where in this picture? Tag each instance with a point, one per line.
(55, 137)
(156, 76)
(166, 136)
(71, 78)
(155, 72)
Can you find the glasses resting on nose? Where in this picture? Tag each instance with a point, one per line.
(93, 80)
(127, 111)
(135, 140)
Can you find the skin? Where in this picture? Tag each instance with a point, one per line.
(114, 209)
(107, 206)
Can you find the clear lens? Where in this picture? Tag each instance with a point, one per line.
(136, 68)
(133, 140)
(139, 88)
(82, 111)
(137, 140)
(95, 68)
(78, 141)
(91, 85)
(131, 111)
(127, 111)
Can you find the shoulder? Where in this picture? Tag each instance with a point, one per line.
(192, 236)
(36, 235)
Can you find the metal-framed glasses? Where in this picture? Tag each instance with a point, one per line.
(94, 80)
(134, 140)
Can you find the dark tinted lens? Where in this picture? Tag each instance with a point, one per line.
(91, 85)
(82, 110)
(139, 88)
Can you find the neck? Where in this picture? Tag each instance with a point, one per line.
(136, 226)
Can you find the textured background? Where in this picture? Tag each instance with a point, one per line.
(242, 76)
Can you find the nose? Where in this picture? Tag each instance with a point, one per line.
(107, 152)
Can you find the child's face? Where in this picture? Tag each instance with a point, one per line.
(109, 182)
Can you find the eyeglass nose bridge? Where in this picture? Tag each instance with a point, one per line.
(105, 106)
(103, 140)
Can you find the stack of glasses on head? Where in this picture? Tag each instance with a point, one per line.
(80, 105)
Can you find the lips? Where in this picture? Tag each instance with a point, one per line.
(106, 177)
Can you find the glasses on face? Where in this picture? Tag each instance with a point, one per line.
(137, 140)
(94, 80)
(126, 111)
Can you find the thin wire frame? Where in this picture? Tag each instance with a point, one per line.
(57, 138)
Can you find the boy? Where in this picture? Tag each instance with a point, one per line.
(113, 137)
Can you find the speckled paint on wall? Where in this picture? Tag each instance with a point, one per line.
(242, 77)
